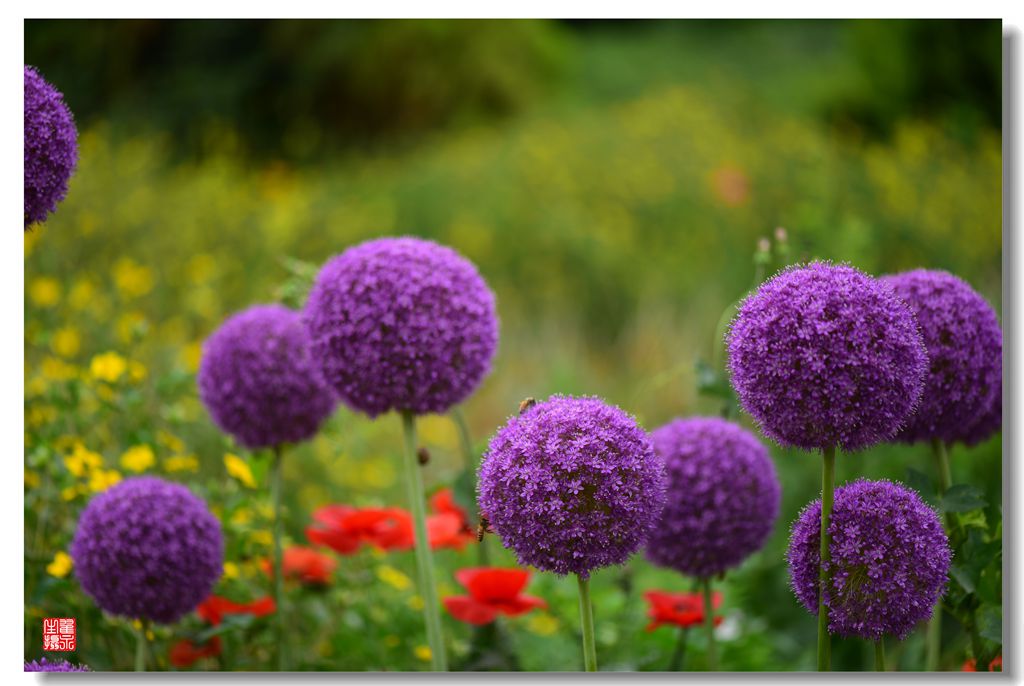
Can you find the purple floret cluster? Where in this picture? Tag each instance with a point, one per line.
(402, 324)
(723, 496)
(825, 355)
(965, 351)
(51, 147)
(148, 549)
(259, 381)
(890, 558)
(45, 665)
(572, 485)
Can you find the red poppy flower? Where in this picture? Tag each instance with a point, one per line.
(185, 653)
(344, 529)
(680, 609)
(449, 527)
(304, 564)
(215, 607)
(492, 591)
(995, 666)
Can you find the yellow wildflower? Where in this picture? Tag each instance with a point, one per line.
(39, 415)
(261, 537)
(231, 570)
(44, 291)
(415, 603)
(31, 479)
(422, 653)
(181, 463)
(241, 516)
(138, 458)
(239, 469)
(102, 479)
(81, 294)
(66, 341)
(136, 371)
(394, 578)
(190, 356)
(170, 441)
(108, 367)
(131, 325)
(70, 493)
(56, 369)
(131, 278)
(60, 566)
(542, 624)
(82, 460)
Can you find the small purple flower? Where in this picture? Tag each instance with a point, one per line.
(965, 351)
(723, 496)
(571, 485)
(51, 147)
(147, 549)
(45, 665)
(890, 557)
(402, 324)
(259, 381)
(825, 355)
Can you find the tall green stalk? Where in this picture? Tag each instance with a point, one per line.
(880, 655)
(828, 478)
(587, 625)
(466, 442)
(933, 638)
(424, 559)
(709, 624)
(276, 487)
(140, 646)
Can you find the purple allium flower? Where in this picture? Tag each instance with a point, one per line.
(571, 485)
(990, 423)
(402, 324)
(148, 549)
(890, 558)
(965, 352)
(722, 500)
(51, 147)
(259, 381)
(825, 355)
(45, 665)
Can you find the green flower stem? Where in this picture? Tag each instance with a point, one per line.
(933, 638)
(828, 478)
(424, 559)
(140, 646)
(880, 655)
(275, 496)
(587, 625)
(466, 442)
(709, 624)
(676, 662)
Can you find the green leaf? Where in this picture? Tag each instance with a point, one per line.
(920, 482)
(990, 624)
(962, 498)
(964, 577)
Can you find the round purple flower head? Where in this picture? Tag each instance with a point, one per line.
(259, 381)
(965, 352)
(147, 549)
(723, 496)
(51, 147)
(402, 324)
(890, 558)
(45, 665)
(990, 423)
(825, 355)
(571, 485)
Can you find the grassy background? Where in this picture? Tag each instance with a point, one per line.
(610, 181)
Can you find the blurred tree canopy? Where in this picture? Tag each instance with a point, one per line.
(299, 88)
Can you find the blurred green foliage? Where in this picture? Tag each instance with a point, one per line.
(615, 226)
